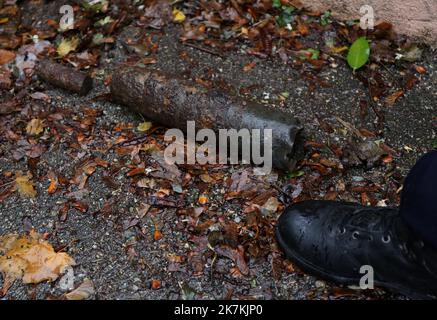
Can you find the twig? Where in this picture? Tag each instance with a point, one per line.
(203, 49)
(212, 266)
(380, 117)
(390, 73)
(350, 127)
(336, 55)
(7, 184)
(274, 186)
(281, 191)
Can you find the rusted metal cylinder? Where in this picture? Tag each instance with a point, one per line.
(172, 102)
(64, 77)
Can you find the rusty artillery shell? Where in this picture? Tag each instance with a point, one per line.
(64, 77)
(172, 102)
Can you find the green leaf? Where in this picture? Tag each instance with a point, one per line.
(104, 21)
(96, 6)
(286, 16)
(358, 53)
(144, 126)
(314, 53)
(324, 19)
(276, 4)
(285, 94)
(288, 9)
(295, 174)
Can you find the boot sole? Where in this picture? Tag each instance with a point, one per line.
(314, 270)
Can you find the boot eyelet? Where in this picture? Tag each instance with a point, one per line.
(342, 230)
(355, 235)
(386, 239)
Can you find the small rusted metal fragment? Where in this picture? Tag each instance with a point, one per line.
(64, 77)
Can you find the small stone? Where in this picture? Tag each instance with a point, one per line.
(357, 179)
(320, 284)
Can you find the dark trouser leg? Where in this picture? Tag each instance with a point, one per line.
(419, 198)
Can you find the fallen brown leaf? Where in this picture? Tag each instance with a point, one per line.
(157, 235)
(24, 185)
(53, 186)
(6, 56)
(83, 292)
(31, 259)
(249, 66)
(156, 284)
(8, 107)
(420, 69)
(391, 99)
(35, 127)
(203, 199)
(236, 255)
(5, 80)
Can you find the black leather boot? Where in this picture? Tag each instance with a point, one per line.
(333, 240)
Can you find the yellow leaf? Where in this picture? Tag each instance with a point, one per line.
(338, 49)
(66, 46)
(206, 178)
(31, 259)
(145, 126)
(24, 185)
(149, 147)
(34, 127)
(178, 16)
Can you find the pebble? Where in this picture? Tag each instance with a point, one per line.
(357, 179)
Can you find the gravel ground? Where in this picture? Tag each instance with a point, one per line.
(99, 242)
